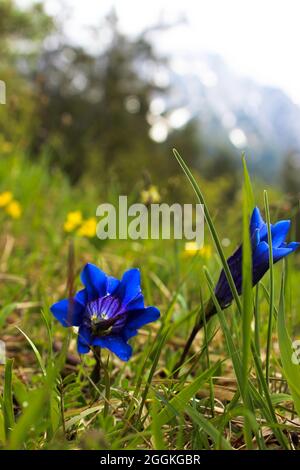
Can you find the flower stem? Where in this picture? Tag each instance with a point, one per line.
(210, 310)
(96, 373)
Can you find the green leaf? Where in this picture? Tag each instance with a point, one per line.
(37, 408)
(178, 403)
(209, 428)
(35, 350)
(20, 391)
(211, 227)
(247, 299)
(271, 270)
(158, 437)
(76, 419)
(291, 368)
(248, 186)
(8, 409)
(5, 312)
(2, 428)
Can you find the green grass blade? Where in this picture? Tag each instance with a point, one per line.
(2, 426)
(178, 403)
(232, 350)
(35, 350)
(289, 359)
(247, 297)
(271, 304)
(211, 227)
(265, 400)
(8, 409)
(248, 186)
(5, 312)
(157, 432)
(151, 373)
(37, 408)
(209, 428)
(257, 320)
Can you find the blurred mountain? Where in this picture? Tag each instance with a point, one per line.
(236, 112)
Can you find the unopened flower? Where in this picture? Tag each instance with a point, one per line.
(260, 255)
(107, 311)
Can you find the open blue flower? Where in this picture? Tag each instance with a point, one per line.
(107, 311)
(260, 255)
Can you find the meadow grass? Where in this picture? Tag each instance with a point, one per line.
(238, 387)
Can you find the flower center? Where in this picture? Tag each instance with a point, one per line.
(95, 318)
(104, 315)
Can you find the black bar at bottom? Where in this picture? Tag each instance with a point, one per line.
(131, 459)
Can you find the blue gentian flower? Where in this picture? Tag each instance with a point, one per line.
(260, 255)
(107, 311)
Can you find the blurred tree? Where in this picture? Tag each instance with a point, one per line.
(290, 174)
(20, 29)
(187, 140)
(223, 165)
(21, 33)
(94, 118)
(218, 167)
(91, 112)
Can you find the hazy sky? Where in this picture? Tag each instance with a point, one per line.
(258, 38)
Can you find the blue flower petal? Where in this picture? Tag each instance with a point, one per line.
(282, 251)
(68, 312)
(94, 280)
(136, 304)
(261, 252)
(139, 318)
(82, 297)
(255, 238)
(112, 284)
(128, 333)
(257, 221)
(115, 344)
(130, 286)
(279, 232)
(279, 253)
(260, 262)
(293, 245)
(264, 232)
(84, 340)
(260, 255)
(222, 290)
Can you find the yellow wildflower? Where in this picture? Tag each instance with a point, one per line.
(88, 228)
(150, 195)
(74, 219)
(5, 198)
(14, 209)
(192, 248)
